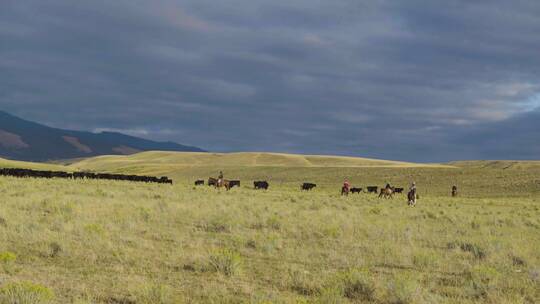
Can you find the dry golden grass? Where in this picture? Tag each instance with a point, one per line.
(83, 241)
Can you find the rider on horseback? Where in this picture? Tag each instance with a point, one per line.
(412, 194)
(220, 179)
(346, 187)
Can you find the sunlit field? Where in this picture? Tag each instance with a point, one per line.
(88, 241)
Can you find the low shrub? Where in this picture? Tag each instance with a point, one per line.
(25, 293)
(155, 294)
(226, 261)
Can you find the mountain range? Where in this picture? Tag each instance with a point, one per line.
(25, 140)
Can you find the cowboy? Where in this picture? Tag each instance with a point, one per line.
(220, 179)
(345, 188)
(346, 185)
(412, 194)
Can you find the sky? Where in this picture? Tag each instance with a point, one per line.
(415, 80)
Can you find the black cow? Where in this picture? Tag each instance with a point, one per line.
(199, 182)
(260, 185)
(81, 175)
(234, 183)
(308, 186)
(164, 180)
(398, 190)
(356, 190)
(373, 189)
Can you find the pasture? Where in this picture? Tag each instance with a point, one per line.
(92, 241)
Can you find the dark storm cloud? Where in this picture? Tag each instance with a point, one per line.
(414, 80)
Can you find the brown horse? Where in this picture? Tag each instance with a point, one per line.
(412, 196)
(212, 182)
(387, 192)
(454, 191)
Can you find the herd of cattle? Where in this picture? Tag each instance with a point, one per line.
(386, 192)
(15, 172)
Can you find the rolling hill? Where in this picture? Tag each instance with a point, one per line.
(25, 140)
(241, 159)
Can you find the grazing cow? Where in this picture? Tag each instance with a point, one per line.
(229, 184)
(372, 189)
(82, 175)
(308, 186)
(163, 180)
(356, 190)
(260, 185)
(398, 190)
(454, 191)
(387, 192)
(234, 183)
(199, 182)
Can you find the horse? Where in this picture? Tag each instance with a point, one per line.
(454, 191)
(412, 196)
(212, 182)
(387, 192)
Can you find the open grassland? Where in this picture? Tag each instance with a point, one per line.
(64, 241)
(90, 241)
(474, 179)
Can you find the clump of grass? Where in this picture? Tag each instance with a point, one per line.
(216, 225)
(94, 229)
(357, 285)
(534, 274)
(518, 261)
(273, 222)
(155, 294)
(482, 281)
(25, 293)
(304, 283)
(330, 295)
(431, 215)
(475, 224)
(375, 210)
(477, 251)
(226, 261)
(403, 290)
(424, 260)
(145, 213)
(3, 222)
(54, 249)
(7, 259)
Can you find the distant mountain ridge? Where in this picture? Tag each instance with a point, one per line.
(25, 140)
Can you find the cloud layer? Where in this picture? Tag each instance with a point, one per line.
(414, 80)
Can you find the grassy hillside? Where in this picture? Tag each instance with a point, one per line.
(244, 159)
(5, 163)
(83, 242)
(498, 164)
(288, 171)
(88, 241)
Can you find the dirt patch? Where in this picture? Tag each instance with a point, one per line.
(74, 141)
(10, 140)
